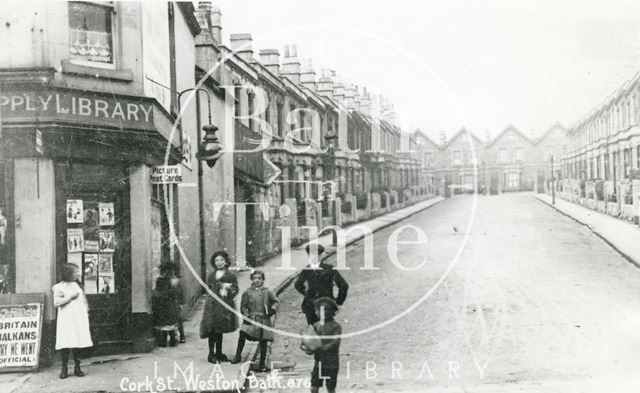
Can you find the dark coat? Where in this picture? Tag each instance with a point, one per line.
(258, 304)
(317, 283)
(216, 318)
(166, 303)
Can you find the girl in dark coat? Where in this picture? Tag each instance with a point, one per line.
(216, 318)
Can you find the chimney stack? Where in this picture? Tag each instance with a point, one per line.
(365, 102)
(325, 83)
(308, 75)
(270, 59)
(209, 19)
(349, 94)
(242, 45)
(356, 99)
(291, 64)
(338, 90)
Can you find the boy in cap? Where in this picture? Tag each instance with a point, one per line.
(327, 355)
(317, 280)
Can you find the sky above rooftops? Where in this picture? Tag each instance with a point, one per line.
(444, 65)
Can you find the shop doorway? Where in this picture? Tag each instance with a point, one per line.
(93, 222)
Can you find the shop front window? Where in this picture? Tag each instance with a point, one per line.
(90, 32)
(91, 242)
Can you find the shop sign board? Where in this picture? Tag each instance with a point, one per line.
(77, 106)
(166, 174)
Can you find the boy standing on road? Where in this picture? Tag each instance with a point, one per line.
(327, 355)
(317, 280)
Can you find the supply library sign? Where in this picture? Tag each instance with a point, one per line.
(76, 106)
(20, 331)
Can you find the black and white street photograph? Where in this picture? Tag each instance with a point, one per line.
(334, 196)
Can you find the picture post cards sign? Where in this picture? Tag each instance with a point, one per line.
(20, 331)
(166, 174)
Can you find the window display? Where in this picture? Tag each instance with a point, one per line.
(91, 242)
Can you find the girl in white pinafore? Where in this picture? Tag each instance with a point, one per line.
(72, 327)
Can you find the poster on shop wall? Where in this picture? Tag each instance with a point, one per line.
(107, 241)
(75, 240)
(74, 211)
(76, 259)
(106, 284)
(91, 245)
(90, 273)
(107, 214)
(90, 224)
(105, 262)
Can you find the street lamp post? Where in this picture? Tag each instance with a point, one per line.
(331, 138)
(209, 150)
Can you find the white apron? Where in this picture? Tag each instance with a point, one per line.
(72, 327)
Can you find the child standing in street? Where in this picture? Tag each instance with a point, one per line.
(327, 354)
(166, 306)
(72, 324)
(219, 314)
(258, 304)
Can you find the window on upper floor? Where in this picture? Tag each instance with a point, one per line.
(236, 100)
(251, 103)
(519, 154)
(304, 135)
(428, 159)
(91, 33)
(293, 120)
(502, 156)
(280, 118)
(466, 157)
(456, 158)
(267, 112)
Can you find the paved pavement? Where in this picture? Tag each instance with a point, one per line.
(185, 364)
(536, 302)
(622, 235)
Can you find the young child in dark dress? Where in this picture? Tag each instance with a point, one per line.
(327, 354)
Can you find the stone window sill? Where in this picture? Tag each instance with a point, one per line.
(96, 72)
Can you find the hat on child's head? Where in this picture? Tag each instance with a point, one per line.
(328, 304)
(319, 248)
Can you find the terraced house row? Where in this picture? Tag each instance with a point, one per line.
(131, 136)
(602, 166)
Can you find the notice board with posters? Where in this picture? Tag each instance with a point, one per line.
(20, 331)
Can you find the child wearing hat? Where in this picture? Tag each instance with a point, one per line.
(327, 354)
(318, 280)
